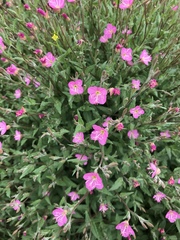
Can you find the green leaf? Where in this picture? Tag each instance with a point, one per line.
(27, 169)
(118, 184)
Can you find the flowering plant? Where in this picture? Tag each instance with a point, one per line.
(89, 121)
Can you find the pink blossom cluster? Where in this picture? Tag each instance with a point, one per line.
(108, 33)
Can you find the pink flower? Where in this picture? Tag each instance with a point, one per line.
(15, 204)
(135, 183)
(172, 216)
(155, 170)
(126, 31)
(65, 16)
(21, 35)
(97, 95)
(2, 46)
(171, 181)
(3, 127)
(175, 8)
(41, 115)
(103, 39)
(56, 5)
(107, 122)
(114, 91)
(75, 87)
(27, 80)
(178, 181)
(109, 30)
(20, 112)
(103, 207)
(133, 134)
(43, 13)
(27, 7)
(17, 135)
(118, 47)
(119, 126)
(136, 112)
(31, 25)
(36, 83)
(17, 93)
(153, 147)
(126, 4)
(126, 54)
(136, 84)
(38, 51)
(93, 181)
(74, 196)
(99, 134)
(125, 229)
(78, 138)
(82, 158)
(145, 58)
(4, 59)
(153, 83)
(165, 134)
(12, 70)
(60, 216)
(159, 196)
(48, 60)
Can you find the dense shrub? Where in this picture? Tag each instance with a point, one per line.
(89, 122)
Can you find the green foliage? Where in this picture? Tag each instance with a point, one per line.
(41, 169)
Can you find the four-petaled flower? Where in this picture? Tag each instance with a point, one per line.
(15, 204)
(97, 95)
(125, 229)
(145, 57)
(99, 134)
(60, 216)
(103, 207)
(73, 195)
(159, 196)
(83, 158)
(155, 170)
(136, 84)
(136, 112)
(133, 134)
(93, 181)
(48, 60)
(3, 127)
(125, 4)
(78, 138)
(56, 5)
(12, 70)
(172, 216)
(126, 54)
(75, 87)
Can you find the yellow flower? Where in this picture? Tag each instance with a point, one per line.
(55, 37)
